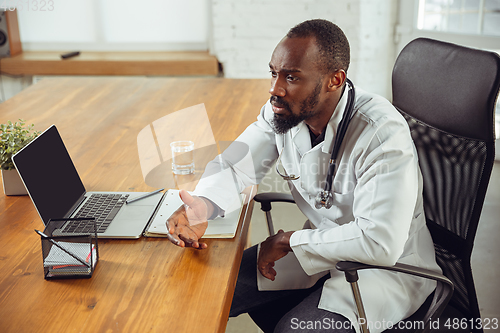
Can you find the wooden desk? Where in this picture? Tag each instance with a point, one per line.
(145, 285)
(187, 63)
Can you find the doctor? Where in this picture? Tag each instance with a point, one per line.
(371, 210)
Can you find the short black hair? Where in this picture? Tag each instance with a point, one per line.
(332, 43)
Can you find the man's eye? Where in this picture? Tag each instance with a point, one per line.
(291, 78)
(273, 73)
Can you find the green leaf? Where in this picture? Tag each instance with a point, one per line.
(13, 137)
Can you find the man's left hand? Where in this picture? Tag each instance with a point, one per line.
(273, 248)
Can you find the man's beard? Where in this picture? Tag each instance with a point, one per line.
(283, 123)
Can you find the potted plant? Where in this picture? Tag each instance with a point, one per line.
(13, 136)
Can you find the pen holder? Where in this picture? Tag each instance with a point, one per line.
(69, 256)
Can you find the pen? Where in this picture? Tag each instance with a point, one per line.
(143, 196)
(170, 237)
(62, 248)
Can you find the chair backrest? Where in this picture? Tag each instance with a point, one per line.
(447, 93)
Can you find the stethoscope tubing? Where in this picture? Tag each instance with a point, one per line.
(339, 137)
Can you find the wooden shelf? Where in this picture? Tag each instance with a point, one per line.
(191, 63)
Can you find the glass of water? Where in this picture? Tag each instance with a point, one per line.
(182, 157)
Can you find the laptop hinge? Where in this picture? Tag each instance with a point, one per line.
(75, 207)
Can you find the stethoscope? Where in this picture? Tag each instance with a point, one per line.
(325, 197)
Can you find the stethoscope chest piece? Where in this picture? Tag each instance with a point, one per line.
(324, 199)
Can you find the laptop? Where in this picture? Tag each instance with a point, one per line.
(57, 191)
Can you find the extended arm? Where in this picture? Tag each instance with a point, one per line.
(243, 163)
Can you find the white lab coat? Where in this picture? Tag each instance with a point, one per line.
(377, 216)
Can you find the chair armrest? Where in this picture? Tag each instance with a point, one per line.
(442, 294)
(265, 199)
(350, 266)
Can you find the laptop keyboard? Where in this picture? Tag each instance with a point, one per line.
(103, 207)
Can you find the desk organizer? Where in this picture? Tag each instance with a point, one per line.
(69, 256)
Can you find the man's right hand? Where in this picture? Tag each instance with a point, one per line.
(188, 223)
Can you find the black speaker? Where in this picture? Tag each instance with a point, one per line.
(10, 41)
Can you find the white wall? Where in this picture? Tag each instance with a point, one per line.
(125, 25)
(245, 33)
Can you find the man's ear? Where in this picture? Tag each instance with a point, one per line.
(336, 80)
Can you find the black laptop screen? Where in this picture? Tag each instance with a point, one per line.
(49, 175)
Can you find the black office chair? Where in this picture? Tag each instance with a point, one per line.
(447, 93)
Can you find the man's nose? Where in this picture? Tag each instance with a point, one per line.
(277, 88)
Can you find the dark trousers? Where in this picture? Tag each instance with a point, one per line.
(282, 311)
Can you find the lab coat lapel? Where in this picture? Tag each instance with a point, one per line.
(314, 161)
(301, 138)
(333, 124)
